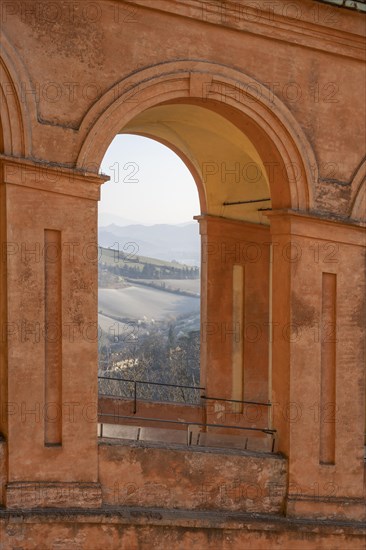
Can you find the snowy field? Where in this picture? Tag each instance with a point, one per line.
(138, 302)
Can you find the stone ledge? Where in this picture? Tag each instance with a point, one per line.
(137, 528)
(321, 508)
(28, 495)
(110, 442)
(182, 518)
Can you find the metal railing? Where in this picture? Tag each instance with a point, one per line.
(165, 384)
(146, 382)
(267, 431)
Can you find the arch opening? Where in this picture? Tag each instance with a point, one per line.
(287, 155)
(149, 277)
(234, 183)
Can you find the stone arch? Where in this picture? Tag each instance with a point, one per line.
(16, 108)
(358, 205)
(268, 128)
(244, 101)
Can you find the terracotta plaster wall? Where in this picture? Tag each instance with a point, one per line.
(31, 210)
(300, 409)
(226, 244)
(60, 74)
(143, 531)
(3, 475)
(308, 65)
(148, 475)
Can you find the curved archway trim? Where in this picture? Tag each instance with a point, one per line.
(16, 111)
(195, 79)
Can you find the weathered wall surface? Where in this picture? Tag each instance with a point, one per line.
(315, 54)
(30, 340)
(3, 474)
(136, 529)
(73, 74)
(139, 474)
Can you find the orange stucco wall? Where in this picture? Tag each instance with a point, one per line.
(256, 84)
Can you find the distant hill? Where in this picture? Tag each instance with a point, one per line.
(105, 218)
(163, 241)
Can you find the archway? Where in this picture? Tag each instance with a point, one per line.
(247, 156)
(248, 153)
(251, 107)
(233, 185)
(234, 189)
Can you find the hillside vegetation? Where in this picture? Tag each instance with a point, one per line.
(116, 265)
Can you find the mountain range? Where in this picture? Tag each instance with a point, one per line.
(162, 241)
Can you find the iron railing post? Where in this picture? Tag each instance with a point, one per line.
(135, 397)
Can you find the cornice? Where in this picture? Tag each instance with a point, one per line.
(315, 226)
(51, 178)
(249, 18)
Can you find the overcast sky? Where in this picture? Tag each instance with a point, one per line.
(149, 184)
